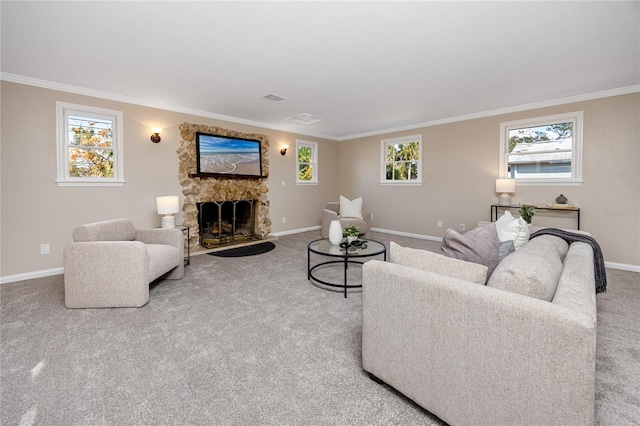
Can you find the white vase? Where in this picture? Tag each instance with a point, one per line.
(335, 232)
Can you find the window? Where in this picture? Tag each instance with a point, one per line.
(543, 151)
(306, 162)
(90, 148)
(402, 160)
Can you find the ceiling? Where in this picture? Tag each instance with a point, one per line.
(363, 67)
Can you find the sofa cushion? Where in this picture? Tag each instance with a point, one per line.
(162, 258)
(480, 245)
(511, 229)
(437, 263)
(533, 270)
(351, 208)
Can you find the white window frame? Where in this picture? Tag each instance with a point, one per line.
(384, 143)
(313, 163)
(576, 118)
(63, 111)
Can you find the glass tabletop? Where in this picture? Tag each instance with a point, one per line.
(361, 248)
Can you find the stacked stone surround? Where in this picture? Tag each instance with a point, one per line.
(202, 189)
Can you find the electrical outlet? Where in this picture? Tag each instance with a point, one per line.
(45, 249)
(284, 219)
(284, 183)
(371, 216)
(439, 224)
(462, 227)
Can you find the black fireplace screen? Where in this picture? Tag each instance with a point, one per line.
(226, 222)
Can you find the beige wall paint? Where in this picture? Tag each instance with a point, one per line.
(460, 165)
(34, 210)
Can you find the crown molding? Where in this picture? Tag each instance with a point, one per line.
(45, 84)
(15, 78)
(525, 107)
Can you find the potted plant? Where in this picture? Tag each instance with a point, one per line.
(351, 232)
(527, 212)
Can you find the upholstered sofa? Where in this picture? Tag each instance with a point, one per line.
(519, 350)
(110, 264)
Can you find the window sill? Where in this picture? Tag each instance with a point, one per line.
(414, 183)
(85, 183)
(548, 183)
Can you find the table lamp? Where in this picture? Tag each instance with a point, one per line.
(167, 206)
(505, 187)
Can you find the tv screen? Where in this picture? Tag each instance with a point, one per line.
(228, 156)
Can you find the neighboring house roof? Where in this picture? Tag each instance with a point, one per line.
(559, 150)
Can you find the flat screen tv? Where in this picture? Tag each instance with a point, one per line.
(226, 156)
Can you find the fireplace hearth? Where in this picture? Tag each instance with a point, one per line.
(226, 222)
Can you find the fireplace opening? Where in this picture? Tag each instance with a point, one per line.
(227, 222)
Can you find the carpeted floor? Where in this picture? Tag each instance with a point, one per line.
(240, 341)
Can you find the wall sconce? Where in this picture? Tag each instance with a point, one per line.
(155, 137)
(283, 150)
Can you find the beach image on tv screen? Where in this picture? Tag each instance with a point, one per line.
(229, 156)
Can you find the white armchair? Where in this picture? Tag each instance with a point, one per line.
(110, 264)
(332, 213)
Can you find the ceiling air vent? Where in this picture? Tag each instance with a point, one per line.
(274, 98)
(305, 118)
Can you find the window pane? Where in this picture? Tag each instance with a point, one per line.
(85, 131)
(90, 162)
(389, 174)
(306, 161)
(304, 154)
(305, 172)
(402, 161)
(541, 151)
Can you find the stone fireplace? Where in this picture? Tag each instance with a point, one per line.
(222, 211)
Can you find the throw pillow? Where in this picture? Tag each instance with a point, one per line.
(480, 245)
(351, 208)
(511, 229)
(437, 263)
(505, 249)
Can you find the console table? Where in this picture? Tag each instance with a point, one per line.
(495, 207)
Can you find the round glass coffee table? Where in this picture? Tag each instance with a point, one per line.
(345, 255)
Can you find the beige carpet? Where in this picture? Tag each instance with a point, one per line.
(240, 341)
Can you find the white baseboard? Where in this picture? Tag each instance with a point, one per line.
(407, 234)
(31, 275)
(296, 231)
(622, 266)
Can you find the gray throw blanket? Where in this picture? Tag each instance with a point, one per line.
(598, 259)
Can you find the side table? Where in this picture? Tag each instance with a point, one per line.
(187, 260)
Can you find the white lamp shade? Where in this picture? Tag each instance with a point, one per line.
(506, 186)
(168, 205)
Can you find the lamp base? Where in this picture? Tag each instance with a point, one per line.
(505, 200)
(168, 222)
